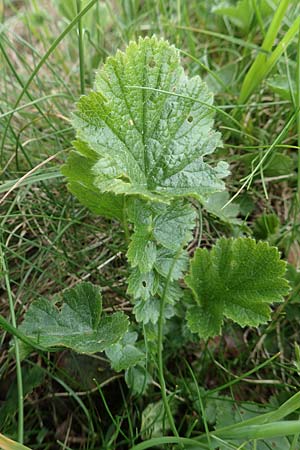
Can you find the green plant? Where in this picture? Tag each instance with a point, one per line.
(244, 12)
(268, 57)
(142, 157)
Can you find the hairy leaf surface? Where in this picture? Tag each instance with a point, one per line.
(237, 279)
(77, 323)
(81, 179)
(147, 311)
(167, 263)
(150, 126)
(142, 285)
(173, 226)
(125, 354)
(142, 251)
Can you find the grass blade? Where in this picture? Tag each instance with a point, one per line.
(266, 431)
(298, 107)
(9, 444)
(35, 178)
(42, 62)
(155, 442)
(264, 63)
(80, 49)
(17, 348)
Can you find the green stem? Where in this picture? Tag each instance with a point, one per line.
(17, 353)
(298, 109)
(125, 221)
(160, 349)
(295, 442)
(80, 48)
(201, 405)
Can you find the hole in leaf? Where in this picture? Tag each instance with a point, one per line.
(152, 63)
(190, 119)
(144, 283)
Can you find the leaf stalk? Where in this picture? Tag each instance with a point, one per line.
(160, 348)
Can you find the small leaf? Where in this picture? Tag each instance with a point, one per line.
(146, 311)
(166, 263)
(265, 226)
(278, 164)
(246, 204)
(222, 78)
(237, 279)
(284, 87)
(137, 379)
(142, 285)
(215, 203)
(142, 251)
(154, 419)
(240, 15)
(173, 227)
(173, 292)
(125, 354)
(76, 324)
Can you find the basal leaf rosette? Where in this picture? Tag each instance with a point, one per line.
(238, 279)
(146, 128)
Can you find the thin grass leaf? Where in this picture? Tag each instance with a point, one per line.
(265, 431)
(9, 444)
(263, 63)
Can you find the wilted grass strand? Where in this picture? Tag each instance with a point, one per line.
(16, 342)
(34, 102)
(9, 444)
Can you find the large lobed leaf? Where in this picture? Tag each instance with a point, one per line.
(237, 279)
(77, 323)
(149, 127)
